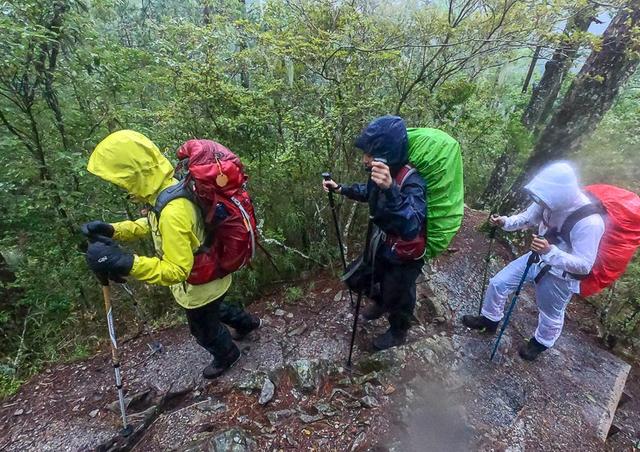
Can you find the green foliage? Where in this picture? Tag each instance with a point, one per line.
(8, 385)
(293, 294)
(614, 141)
(623, 314)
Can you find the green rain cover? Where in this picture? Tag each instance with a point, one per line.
(436, 156)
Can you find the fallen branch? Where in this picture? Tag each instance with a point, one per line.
(18, 358)
(292, 250)
(323, 227)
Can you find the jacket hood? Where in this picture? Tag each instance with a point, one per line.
(556, 185)
(131, 161)
(385, 137)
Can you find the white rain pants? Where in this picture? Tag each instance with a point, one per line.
(552, 296)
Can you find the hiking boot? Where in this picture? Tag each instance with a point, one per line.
(531, 350)
(240, 334)
(372, 311)
(480, 322)
(217, 368)
(390, 339)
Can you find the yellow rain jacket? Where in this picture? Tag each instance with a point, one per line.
(131, 161)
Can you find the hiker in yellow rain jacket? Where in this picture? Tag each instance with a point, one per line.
(131, 161)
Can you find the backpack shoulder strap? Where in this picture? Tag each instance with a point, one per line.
(403, 174)
(595, 207)
(179, 190)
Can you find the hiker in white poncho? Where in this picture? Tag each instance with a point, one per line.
(556, 195)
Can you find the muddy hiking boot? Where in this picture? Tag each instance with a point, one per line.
(239, 334)
(372, 311)
(390, 339)
(531, 350)
(218, 367)
(480, 322)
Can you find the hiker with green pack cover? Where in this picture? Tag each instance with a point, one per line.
(409, 169)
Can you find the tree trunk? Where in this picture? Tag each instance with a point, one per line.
(206, 13)
(543, 96)
(244, 72)
(498, 176)
(532, 67)
(546, 91)
(590, 96)
(46, 67)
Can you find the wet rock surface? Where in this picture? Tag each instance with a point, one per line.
(231, 440)
(291, 390)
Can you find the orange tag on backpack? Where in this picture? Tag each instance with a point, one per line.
(221, 180)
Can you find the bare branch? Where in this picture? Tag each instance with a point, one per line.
(292, 250)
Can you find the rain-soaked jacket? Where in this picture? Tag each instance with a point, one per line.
(557, 187)
(131, 161)
(400, 211)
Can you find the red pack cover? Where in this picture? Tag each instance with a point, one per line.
(620, 240)
(219, 178)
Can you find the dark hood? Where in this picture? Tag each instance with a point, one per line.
(385, 137)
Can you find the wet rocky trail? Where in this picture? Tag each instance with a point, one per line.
(292, 391)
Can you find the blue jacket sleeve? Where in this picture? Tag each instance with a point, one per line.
(402, 212)
(357, 192)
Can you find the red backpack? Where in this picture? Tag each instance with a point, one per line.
(215, 181)
(621, 211)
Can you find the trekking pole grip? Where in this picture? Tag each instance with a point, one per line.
(327, 177)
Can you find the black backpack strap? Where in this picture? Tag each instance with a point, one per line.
(543, 271)
(179, 190)
(595, 207)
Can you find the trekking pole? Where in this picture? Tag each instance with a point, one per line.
(327, 177)
(365, 261)
(533, 258)
(141, 317)
(492, 237)
(155, 346)
(115, 356)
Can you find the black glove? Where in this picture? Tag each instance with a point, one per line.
(97, 227)
(109, 261)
